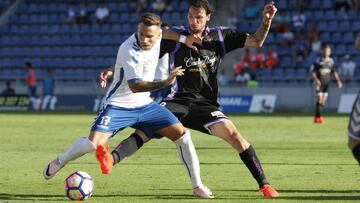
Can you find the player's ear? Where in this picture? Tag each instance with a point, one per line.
(208, 16)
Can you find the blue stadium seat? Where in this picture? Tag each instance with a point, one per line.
(286, 62)
(322, 26)
(329, 15)
(340, 49)
(289, 73)
(325, 37)
(184, 5)
(318, 15)
(333, 26)
(349, 37)
(355, 26)
(344, 26)
(336, 37)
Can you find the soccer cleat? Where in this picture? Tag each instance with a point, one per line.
(52, 168)
(105, 159)
(203, 192)
(268, 191)
(319, 120)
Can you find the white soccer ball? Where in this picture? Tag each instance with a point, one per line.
(79, 186)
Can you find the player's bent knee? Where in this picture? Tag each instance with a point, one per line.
(173, 132)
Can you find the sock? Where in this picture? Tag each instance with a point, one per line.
(356, 152)
(80, 147)
(317, 111)
(127, 147)
(190, 159)
(253, 164)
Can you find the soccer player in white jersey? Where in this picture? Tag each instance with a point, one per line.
(128, 103)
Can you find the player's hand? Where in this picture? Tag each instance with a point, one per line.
(339, 84)
(178, 71)
(269, 12)
(104, 76)
(191, 39)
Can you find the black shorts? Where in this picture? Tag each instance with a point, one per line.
(322, 89)
(354, 121)
(195, 115)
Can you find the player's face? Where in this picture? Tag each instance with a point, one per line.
(326, 51)
(197, 19)
(148, 35)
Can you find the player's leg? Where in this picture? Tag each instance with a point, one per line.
(80, 147)
(319, 106)
(211, 120)
(136, 140)
(129, 146)
(188, 156)
(158, 120)
(45, 102)
(354, 130)
(228, 132)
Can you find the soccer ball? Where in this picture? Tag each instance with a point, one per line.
(79, 186)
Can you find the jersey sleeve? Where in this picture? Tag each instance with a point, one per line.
(133, 68)
(166, 46)
(233, 39)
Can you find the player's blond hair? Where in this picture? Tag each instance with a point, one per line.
(150, 19)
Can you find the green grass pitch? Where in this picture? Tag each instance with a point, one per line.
(304, 161)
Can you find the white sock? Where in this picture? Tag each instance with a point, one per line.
(80, 147)
(190, 159)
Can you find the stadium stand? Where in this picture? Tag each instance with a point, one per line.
(38, 32)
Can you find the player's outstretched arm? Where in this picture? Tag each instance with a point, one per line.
(338, 80)
(187, 40)
(257, 39)
(105, 75)
(146, 86)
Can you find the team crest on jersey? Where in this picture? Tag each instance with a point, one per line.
(217, 114)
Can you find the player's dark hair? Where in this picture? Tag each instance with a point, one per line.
(150, 19)
(202, 4)
(324, 46)
(165, 25)
(28, 64)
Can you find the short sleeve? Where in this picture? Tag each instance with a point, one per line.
(233, 39)
(133, 68)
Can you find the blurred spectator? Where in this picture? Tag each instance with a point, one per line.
(31, 82)
(302, 4)
(49, 99)
(250, 59)
(260, 59)
(299, 20)
(101, 13)
(344, 5)
(224, 79)
(161, 6)
(312, 33)
(281, 21)
(71, 14)
(232, 20)
(139, 6)
(4, 4)
(242, 78)
(272, 59)
(316, 44)
(8, 91)
(302, 48)
(288, 37)
(83, 16)
(251, 10)
(347, 67)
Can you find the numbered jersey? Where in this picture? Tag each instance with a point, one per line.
(132, 65)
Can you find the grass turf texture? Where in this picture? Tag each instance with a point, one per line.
(304, 161)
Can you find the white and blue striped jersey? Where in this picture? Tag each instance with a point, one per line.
(132, 64)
